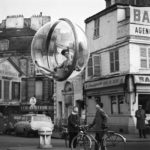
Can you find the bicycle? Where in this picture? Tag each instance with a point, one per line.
(86, 141)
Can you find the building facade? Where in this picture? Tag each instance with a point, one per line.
(67, 94)
(16, 34)
(10, 82)
(118, 69)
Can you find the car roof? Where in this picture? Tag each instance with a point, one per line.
(34, 115)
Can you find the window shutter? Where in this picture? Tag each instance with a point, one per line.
(143, 54)
(90, 67)
(96, 60)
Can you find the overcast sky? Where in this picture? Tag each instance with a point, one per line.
(75, 10)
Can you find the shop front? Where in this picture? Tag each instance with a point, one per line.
(142, 83)
(115, 95)
(121, 96)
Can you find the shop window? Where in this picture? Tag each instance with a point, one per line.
(114, 61)
(145, 57)
(118, 105)
(144, 100)
(15, 90)
(114, 108)
(98, 99)
(121, 102)
(96, 28)
(6, 89)
(24, 91)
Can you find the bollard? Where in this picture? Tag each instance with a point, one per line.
(45, 137)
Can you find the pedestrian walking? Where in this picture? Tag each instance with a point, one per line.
(100, 125)
(73, 123)
(140, 125)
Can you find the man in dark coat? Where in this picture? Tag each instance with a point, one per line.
(73, 123)
(140, 125)
(100, 124)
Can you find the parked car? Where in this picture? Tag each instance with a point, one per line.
(31, 123)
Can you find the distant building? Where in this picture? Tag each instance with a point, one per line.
(10, 83)
(118, 71)
(16, 34)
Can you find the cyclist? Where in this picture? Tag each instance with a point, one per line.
(73, 123)
(100, 123)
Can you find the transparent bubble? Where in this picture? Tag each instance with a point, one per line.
(59, 49)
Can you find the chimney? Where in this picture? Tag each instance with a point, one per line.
(108, 3)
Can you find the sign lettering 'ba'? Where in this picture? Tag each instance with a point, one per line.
(141, 15)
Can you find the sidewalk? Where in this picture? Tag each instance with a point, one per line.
(135, 138)
(58, 144)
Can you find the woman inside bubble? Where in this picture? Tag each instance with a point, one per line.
(67, 63)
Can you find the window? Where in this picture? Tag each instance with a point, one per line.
(114, 61)
(93, 68)
(145, 57)
(118, 105)
(6, 89)
(96, 28)
(96, 59)
(4, 45)
(98, 99)
(16, 90)
(90, 67)
(39, 90)
(23, 65)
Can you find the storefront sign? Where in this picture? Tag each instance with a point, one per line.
(140, 21)
(142, 79)
(140, 15)
(105, 83)
(139, 30)
(10, 103)
(37, 108)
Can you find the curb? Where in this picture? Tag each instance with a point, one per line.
(36, 148)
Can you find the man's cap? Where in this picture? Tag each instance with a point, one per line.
(64, 51)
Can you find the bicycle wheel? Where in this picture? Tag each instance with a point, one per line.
(81, 142)
(114, 140)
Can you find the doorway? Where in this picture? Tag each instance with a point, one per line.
(144, 100)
